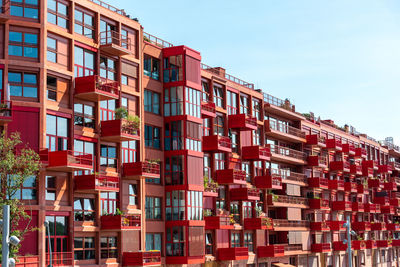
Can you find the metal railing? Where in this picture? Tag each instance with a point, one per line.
(284, 151)
(155, 40)
(109, 7)
(106, 182)
(289, 199)
(60, 258)
(281, 127)
(286, 223)
(292, 247)
(5, 109)
(289, 175)
(113, 37)
(278, 102)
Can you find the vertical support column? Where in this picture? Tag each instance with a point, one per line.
(6, 233)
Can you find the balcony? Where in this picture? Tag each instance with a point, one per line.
(94, 88)
(140, 170)
(361, 153)
(336, 185)
(286, 201)
(286, 225)
(231, 176)
(395, 166)
(395, 201)
(396, 243)
(390, 186)
(120, 222)
(374, 183)
(242, 122)
(217, 144)
(317, 182)
(393, 227)
(287, 155)
(27, 261)
(208, 110)
(388, 210)
(319, 204)
(358, 207)
(316, 140)
(317, 161)
(66, 160)
(271, 251)
(371, 244)
(119, 131)
(349, 149)
(219, 222)
(342, 205)
(368, 172)
(373, 164)
(141, 258)
(339, 246)
(283, 131)
(361, 226)
(378, 226)
(385, 169)
(382, 200)
(59, 259)
(334, 145)
(339, 166)
(114, 43)
(350, 187)
(262, 223)
(256, 153)
(244, 194)
(372, 208)
(358, 244)
(383, 244)
(336, 225)
(269, 181)
(321, 248)
(6, 113)
(95, 183)
(356, 170)
(232, 254)
(362, 189)
(294, 177)
(319, 226)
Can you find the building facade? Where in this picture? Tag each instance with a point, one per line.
(150, 157)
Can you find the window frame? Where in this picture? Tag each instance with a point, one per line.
(58, 15)
(153, 212)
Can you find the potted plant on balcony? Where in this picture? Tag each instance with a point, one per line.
(210, 185)
(4, 109)
(132, 124)
(121, 113)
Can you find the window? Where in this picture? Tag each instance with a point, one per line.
(173, 101)
(51, 88)
(175, 205)
(193, 102)
(173, 170)
(108, 156)
(206, 127)
(129, 151)
(23, 44)
(109, 247)
(152, 136)
(1, 82)
(129, 75)
(219, 96)
(234, 141)
(193, 136)
(23, 84)
(244, 104)
(175, 243)
(247, 209)
(231, 102)
(220, 201)
(195, 205)
(173, 69)
(108, 201)
(219, 125)
(57, 13)
(256, 109)
(209, 243)
(84, 147)
(84, 209)
(235, 211)
(235, 240)
(173, 139)
(84, 23)
(151, 102)
(132, 194)
(84, 115)
(57, 51)
(219, 161)
(56, 133)
(257, 135)
(206, 91)
(107, 109)
(248, 241)
(153, 242)
(84, 248)
(108, 68)
(246, 168)
(25, 8)
(151, 67)
(28, 189)
(58, 226)
(50, 188)
(153, 208)
(84, 62)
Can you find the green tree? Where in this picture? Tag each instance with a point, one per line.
(17, 164)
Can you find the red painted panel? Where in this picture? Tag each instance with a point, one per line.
(222, 238)
(193, 70)
(195, 170)
(245, 138)
(29, 245)
(26, 123)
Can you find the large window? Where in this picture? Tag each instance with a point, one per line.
(152, 136)
(108, 156)
(247, 209)
(107, 110)
(84, 147)
(153, 208)
(219, 96)
(57, 50)
(50, 188)
(108, 68)
(195, 205)
(59, 233)
(84, 248)
(153, 241)
(108, 202)
(173, 139)
(248, 241)
(133, 194)
(219, 125)
(129, 151)
(25, 8)
(231, 104)
(256, 109)
(206, 91)
(175, 243)
(193, 102)
(84, 23)
(174, 170)
(209, 243)
(84, 115)
(173, 101)
(56, 133)
(51, 88)
(151, 102)
(193, 136)
(244, 104)
(84, 209)
(84, 62)
(151, 67)
(57, 13)
(175, 206)
(23, 44)
(23, 84)
(235, 240)
(27, 190)
(173, 69)
(109, 247)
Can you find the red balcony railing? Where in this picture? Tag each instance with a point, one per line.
(284, 131)
(375, 183)
(349, 149)
(232, 254)
(342, 205)
(6, 113)
(361, 226)
(339, 166)
(356, 170)
(371, 244)
(231, 176)
(269, 181)
(372, 208)
(362, 189)
(115, 43)
(334, 144)
(217, 144)
(361, 152)
(395, 166)
(261, 223)
(141, 169)
(321, 248)
(27, 261)
(382, 200)
(388, 209)
(385, 168)
(66, 160)
(336, 225)
(317, 182)
(219, 222)
(368, 172)
(316, 140)
(141, 258)
(287, 152)
(393, 227)
(118, 222)
(317, 161)
(395, 202)
(373, 164)
(94, 182)
(358, 207)
(319, 226)
(119, 131)
(378, 226)
(336, 185)
(208, 110)
(383, 243)
(390, 186)
(96, 88)
(256, 153)
(339, 246)
(59, 259)
(242, 122)
(319, 204)
(271, 251)
(243, 194)
(350, 187)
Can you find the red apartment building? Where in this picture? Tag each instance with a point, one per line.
(218, 173)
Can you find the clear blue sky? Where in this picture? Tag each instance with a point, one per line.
(337, 58)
